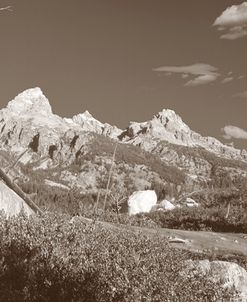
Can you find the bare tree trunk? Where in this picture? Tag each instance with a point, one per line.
(109, 177)
(228, 209)
(95, 214)
(19, 192)
(117, 209)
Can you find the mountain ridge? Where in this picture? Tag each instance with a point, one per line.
(33, 106)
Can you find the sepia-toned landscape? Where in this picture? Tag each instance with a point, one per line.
(128, 183)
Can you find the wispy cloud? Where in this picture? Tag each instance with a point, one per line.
(227, 80)
(233, 21)
(202, 80)
(241, 95)
(200, 73)
(234, 132)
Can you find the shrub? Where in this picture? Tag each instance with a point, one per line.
(54, 258)
(201, 219)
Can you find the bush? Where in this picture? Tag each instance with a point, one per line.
(201, 219)
(54, 258)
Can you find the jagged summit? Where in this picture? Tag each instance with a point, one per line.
(88, 122)
(33, 108)
(86, 116)
(166, 113)
(172, 121)
(31, 101)
(165, 125)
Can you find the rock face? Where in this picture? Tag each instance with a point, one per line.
(141, 202)
(168, 126)
(88, 123)
(30, 102)
(228, 273)
(11, 203)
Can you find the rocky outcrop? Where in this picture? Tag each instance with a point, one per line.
(141, 202)
(229, 275)
(88, 123)
(11, 203)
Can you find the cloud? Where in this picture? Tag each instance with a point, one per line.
(234, 132)
(241, 95)
(202, 80)
(227, 80)
(233, 21)
(201, 73)
(195, 69)
(235, 33)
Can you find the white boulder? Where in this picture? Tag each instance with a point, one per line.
(191, 203)
(11, 203)
(141, 202)
(167, 205)
(229, 274)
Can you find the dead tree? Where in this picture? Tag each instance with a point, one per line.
(110, 176)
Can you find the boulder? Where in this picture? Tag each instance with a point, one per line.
(231, 275)
(141, 202)
(167, 205)
(11, 203)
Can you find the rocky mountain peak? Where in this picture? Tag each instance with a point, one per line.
(167, 113)
(87, 114)
(171, 121)
(88, 122)
(31, 101)
(165, 125)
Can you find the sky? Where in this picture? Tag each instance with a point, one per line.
(126, 60)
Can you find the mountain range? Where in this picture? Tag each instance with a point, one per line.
(77, 152)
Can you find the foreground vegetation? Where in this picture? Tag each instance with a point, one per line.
(56, 258)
